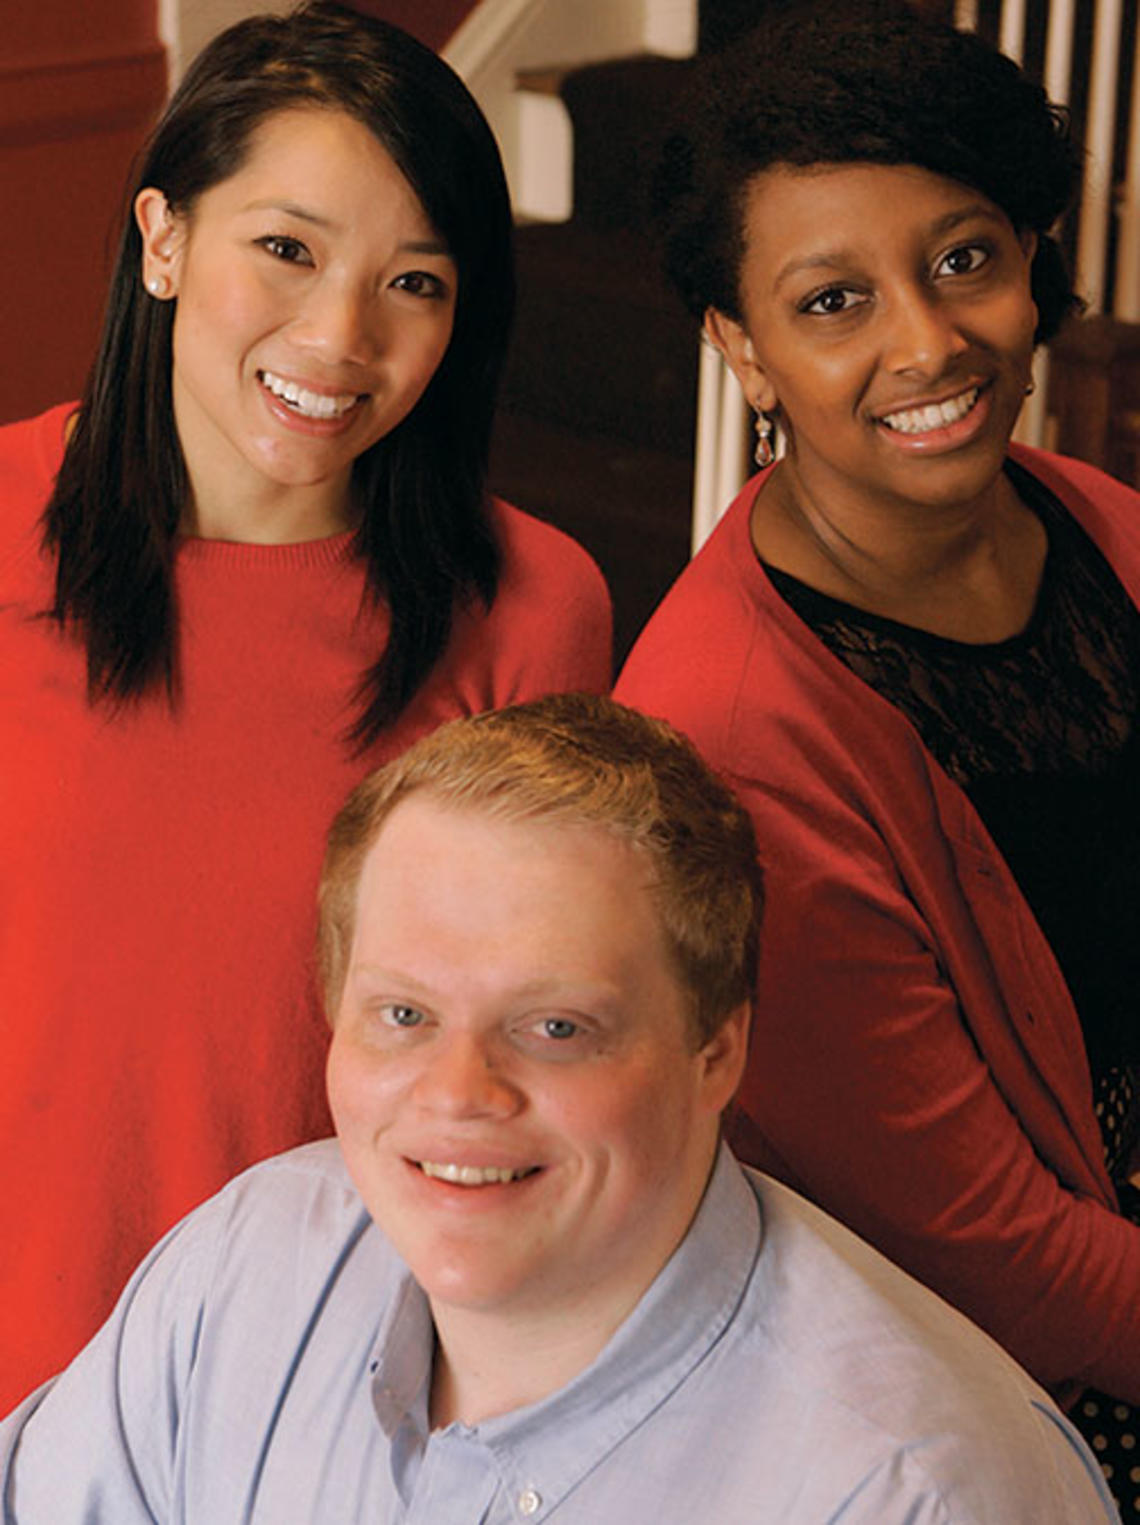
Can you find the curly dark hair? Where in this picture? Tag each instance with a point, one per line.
(872, 81)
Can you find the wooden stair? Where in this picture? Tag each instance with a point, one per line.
(597, 420)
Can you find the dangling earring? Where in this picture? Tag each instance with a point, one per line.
(764, 454)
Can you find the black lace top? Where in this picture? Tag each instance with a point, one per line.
(1041, 732)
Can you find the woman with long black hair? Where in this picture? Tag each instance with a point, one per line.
(256, 560)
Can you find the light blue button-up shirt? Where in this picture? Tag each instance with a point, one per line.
(270, 1362)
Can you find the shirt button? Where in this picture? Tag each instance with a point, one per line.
(529, 1500)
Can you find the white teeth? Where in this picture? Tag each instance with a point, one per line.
(935, 416)
(471, 1175)
(311, 404)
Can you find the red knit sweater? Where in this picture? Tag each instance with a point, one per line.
(159, 1023)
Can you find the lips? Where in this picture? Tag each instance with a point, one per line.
(304, 401)
(931, 416)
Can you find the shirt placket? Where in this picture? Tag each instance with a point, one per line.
(457, 1480)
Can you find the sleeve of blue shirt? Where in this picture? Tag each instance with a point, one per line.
(99, 1442)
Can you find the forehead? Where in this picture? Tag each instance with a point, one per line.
(791, 211)
(316, 157)
(444, 884)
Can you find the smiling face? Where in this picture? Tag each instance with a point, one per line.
(315, 303)
(513, 1075)
(887, 318)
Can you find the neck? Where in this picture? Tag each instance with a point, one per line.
(269, 517)
(969, 570)
(488, 1364)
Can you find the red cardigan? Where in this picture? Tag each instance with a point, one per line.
(917, 1064)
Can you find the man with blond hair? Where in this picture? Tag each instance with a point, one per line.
(529, 1281)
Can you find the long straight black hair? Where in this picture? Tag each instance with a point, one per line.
(424, 533)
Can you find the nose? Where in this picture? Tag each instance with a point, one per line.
(923, 336)
(339, 322)
(461, 1078)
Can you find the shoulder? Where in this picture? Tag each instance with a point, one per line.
(300, 1206)
(902, 1381)
(730, 664)
(200, 1357)
(723, 584)
(30, 455)
(1108, 510)
(548, 630)
(1063, 473)
(297, 1210)
(691, 664)
(31, 450)
(252, 1268)
(539, 559)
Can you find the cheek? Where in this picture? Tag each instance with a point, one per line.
(425, 352)
(638, 1124)
(359, 1088)
(219, 310)
(811, 383)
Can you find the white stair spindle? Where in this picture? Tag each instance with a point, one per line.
(1096, 198)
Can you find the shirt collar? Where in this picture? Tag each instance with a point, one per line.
(402, 1357)
(549, 1446)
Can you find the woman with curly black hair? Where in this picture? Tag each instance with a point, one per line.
(255, 562)
(915, 649)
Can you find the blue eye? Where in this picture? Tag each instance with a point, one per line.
(403, 1016)
(559, 1028)
(289, 250)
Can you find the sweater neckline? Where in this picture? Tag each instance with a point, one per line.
(329, 551)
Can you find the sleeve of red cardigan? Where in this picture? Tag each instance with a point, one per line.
(875, 1100)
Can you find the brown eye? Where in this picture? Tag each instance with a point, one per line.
(419, 283)
(963, 261)
(830, 301)
(289, 250)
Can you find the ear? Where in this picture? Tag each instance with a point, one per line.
(163, 235)
(723, 1058)
(731, 339)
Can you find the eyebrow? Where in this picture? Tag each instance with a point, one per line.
(304, 214)
(593, 993)
(832, 258)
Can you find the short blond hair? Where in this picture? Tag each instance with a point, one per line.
(579, 760)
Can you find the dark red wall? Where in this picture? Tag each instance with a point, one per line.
(79, 84)
(432, 21)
